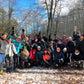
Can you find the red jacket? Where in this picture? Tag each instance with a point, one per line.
(32, 56)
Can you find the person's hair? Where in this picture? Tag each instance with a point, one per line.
(9, 38)
(5, 34)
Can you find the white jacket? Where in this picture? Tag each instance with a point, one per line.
(10, 49)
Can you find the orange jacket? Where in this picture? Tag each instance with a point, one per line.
(46, 57)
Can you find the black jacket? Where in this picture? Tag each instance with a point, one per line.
(76, 38)
(77, 57)
(70, 47)
(45, 39)
(81, 48)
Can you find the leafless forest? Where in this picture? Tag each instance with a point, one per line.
(35, 20)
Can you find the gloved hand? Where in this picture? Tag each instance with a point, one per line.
(62, 59)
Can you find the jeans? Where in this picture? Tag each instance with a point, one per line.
(2, 59)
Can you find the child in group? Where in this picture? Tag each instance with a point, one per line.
(10, 50)
(46, 58)
(24, 58)
(32, 57)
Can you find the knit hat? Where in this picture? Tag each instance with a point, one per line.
(78, 32)
(45, 49)
(65, 49)
(35, 36)
(39, 47)
(34, 50)
(70, 38)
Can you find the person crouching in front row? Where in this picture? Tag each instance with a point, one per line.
(32, 57)
(39, 56)
(58, 57)
(46, 58)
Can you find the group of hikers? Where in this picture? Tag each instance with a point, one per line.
(26, 51)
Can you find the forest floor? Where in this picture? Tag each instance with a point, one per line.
(38, 75)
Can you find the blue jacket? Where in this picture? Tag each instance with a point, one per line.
(17, 45)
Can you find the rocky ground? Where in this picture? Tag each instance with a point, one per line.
(37, 75)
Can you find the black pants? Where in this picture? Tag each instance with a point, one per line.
(39, 62)
(69, 57)
(33, 63)
(47, 63)
(9, 63)
(16, 62)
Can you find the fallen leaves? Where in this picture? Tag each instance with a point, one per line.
(43, 76)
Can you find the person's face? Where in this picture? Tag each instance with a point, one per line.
(59, 42)
(18, 40)
(43, 35)
(76, 51)
(36, 40)
(30, 36)
(45, 51)
(81, 37)
(58, 49)
(70, 39)
(51, 42)
(9, 40)
(64, 37)
(4, 36)
(56, 38)
(42, 40)
(34, 53)
(26, 39)
(78, 34)
(64, 51)
(39, 49)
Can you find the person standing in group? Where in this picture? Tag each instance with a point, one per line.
(76, 36)
(58, 57)
(18, 47)
(3, 44)
(81, 46)
(10, 50)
